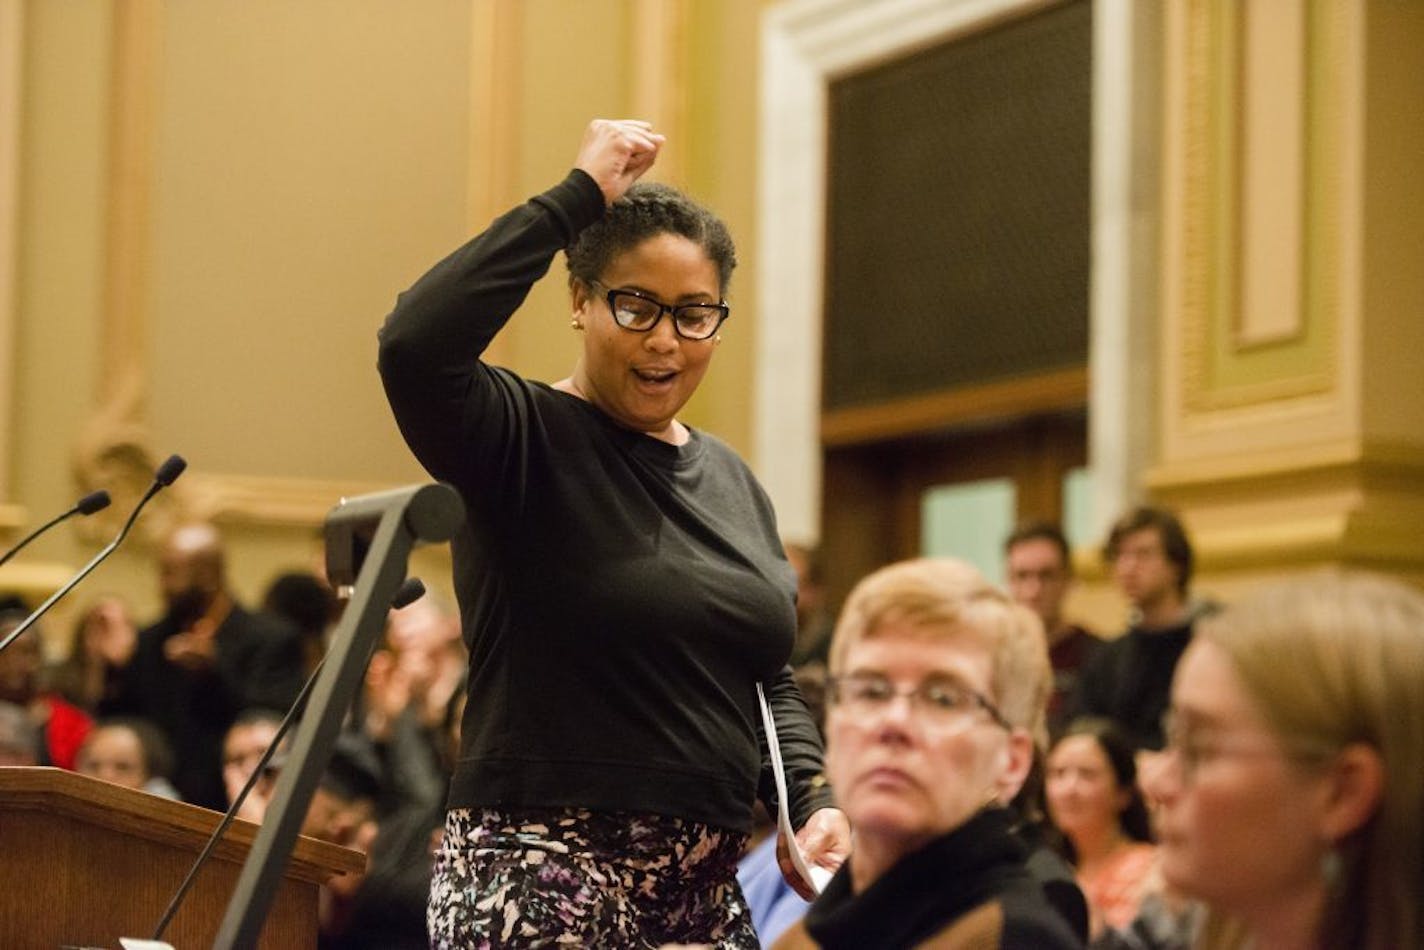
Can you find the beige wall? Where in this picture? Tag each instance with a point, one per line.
(215, 203)
(218, 202)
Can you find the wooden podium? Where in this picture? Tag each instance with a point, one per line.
(85, 862)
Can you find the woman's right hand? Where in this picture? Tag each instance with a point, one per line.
(616, 152)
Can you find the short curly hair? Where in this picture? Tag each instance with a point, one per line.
(646, 210)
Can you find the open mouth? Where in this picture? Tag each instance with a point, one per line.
(655, 377)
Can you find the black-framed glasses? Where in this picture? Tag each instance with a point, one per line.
(640, 313)
(941, 701)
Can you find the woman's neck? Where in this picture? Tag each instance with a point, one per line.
(674, 433)
(874, 856)
(1290, 923)
(1095, 848)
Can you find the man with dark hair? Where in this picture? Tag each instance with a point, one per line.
(203, 662)
(1130, 678)
(1040, 572)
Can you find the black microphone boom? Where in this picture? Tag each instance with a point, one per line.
(90, 503)
(167, 473)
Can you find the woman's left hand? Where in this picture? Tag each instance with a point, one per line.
(824, 840)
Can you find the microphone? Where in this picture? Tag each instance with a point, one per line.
(167, 473)
(410, 590)
(90, 503)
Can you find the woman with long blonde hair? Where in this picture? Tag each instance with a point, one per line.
(1291, 796)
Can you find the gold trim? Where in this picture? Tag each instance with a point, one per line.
(12, 74)
(660, 83)
(137, 47)
(1360, 538)
(12, 516)
(268, 500)
(34, 581)
(1262, 161)
(930, 412)
(112, 451)
(1210, 220)
(494, 129)
(1380, 542)
(1380, 462)
(495, 91)
(1273, 544)
(1345, 501)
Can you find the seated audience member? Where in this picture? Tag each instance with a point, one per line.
(1129, 678)
(1095, 803)
(62, 725)
(19, 736)
(813, 619)
(421, 666)
(383, 906)
(342, 810)
(386, 909)
(204, 661)
(937, 689)
(104, 640)
(128, 752)
(306, 601)
(1291, 795)
(243, 746)
(1039, 566)
(379, 908)
(1045, 862)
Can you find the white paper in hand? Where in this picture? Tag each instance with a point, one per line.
(813, 874)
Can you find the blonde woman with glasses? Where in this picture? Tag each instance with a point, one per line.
(1291, 793)
(937, 690)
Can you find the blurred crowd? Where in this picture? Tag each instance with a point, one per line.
(186, 707)
(1128, 769)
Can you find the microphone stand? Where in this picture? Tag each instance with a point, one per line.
(169, 471)
(90, 503)
(371, 536)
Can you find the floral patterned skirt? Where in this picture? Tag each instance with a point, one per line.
(570, 877)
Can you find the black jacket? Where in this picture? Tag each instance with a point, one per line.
(968, 888)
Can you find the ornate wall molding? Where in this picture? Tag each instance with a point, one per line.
(495, 28)
(1225, 217)
(660, 77)
(269, 501)
(1345, 501)
(113, 451)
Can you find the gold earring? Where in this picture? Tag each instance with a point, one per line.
(717, 338)
(576, 323)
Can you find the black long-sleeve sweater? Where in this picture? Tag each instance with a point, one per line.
(620, 595)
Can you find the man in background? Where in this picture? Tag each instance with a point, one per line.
(203, 662)
(813, 619)
(1040, 573)
(1129, 680)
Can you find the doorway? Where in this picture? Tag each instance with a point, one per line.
(956, 492)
